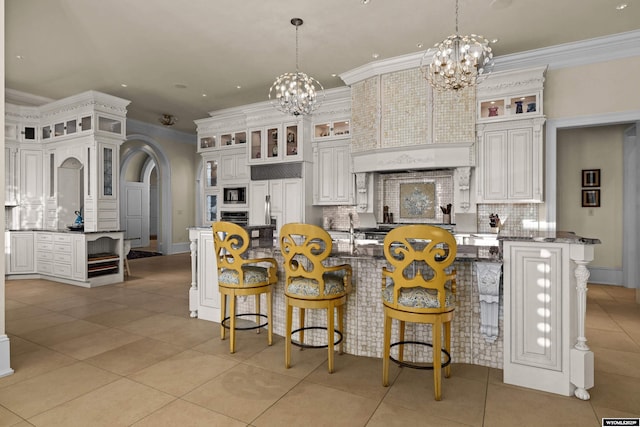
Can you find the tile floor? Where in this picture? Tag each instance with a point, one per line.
(130, 355)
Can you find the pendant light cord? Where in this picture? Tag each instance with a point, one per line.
(456, 17)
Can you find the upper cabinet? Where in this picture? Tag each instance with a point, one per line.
(275, 143)
(509, 130)
(511, 95)
(228, 130)
(335, 129)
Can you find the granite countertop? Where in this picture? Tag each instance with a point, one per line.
(548, 237)
(464, 252)
(66, 230)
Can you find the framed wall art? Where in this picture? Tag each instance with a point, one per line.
(591, 177)
(591, 198)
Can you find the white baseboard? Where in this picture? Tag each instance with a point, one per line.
(606, 276)
(179, 248)
(5, 358)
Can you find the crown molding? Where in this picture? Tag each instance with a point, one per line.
(17, 97)
(584, 52)
(600, 49)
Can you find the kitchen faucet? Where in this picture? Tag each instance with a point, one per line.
(351, 237)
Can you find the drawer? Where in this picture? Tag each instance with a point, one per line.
(63, 270)
(61, 238)
(45, 267)
(44, 255)
(41, 237)
(62, 257)
(57, 247)
(44, 246)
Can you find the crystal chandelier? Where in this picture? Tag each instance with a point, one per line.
(458, 62)
(296, 93)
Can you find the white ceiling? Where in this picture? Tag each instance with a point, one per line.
(213, 46)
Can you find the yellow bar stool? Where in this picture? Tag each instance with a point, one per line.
(417, 288)
(239, 276)
(311, 285)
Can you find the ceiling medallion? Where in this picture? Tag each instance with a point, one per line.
(168, 120)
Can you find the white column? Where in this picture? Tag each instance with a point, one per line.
(193, 291)
(582, 364)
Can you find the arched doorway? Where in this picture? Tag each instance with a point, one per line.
(143, 159)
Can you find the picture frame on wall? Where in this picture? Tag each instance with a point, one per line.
(591, 177)
(591, 198)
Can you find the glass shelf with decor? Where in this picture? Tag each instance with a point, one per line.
(332, 129)
(508, 108)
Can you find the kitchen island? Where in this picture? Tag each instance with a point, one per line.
(82, 258)
(533, 328)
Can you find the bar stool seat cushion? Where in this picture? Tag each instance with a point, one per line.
(418, 297)
(333, 285)
(253, 275)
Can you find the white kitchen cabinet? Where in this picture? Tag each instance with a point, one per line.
(510, 161)
(19, 255)
(545, 285)
(233, 166)
(10, 178)
(275, 143)
(285, 202)
(44, 253)
(31, 188)
(228, 139)
(204, 296)
(332, 173)
(82, 259)
(331, 129)
(210, 187)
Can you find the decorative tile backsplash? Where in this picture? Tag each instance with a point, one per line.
(514, 218)
(388, 192)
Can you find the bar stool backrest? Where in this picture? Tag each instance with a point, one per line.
(419, 256)
(230, 242)
(304, 247)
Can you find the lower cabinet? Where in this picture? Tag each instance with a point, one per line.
(19, 257)
(204, 296)
(84, 259)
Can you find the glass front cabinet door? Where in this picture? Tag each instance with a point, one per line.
(274, 143)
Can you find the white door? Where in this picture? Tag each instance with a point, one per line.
(135, 208)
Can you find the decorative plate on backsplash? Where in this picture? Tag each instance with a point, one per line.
(417, 200)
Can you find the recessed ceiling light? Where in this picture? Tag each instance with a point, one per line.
(375, 55)
(19, 57)
(238, 87)
(180, 86)
(419, 45)
(204, 95)
(622, 6)
(123, 84)
(495, 40)
(334, 75)
(365, 1)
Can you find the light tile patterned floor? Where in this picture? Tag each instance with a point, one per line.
(130, 355)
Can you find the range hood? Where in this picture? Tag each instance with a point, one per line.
(415, 157)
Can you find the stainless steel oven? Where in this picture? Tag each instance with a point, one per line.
(237, 217)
